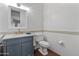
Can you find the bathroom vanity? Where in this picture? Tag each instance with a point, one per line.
(17, 45)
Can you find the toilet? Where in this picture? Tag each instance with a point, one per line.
(43, 45)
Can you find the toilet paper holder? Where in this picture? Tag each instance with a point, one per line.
(61, 42)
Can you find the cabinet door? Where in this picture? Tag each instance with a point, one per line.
(27, 46)
(12, 47)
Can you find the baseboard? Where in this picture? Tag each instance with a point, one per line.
(57, 52)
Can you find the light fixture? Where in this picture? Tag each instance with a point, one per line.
(24, 8)
(20, 6)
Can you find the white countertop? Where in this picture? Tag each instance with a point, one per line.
(9, 36)
(16, 36)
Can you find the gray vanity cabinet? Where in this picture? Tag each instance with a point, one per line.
(18, 46)
(12, 47)
(27, 46)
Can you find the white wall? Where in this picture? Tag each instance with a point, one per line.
(3, 18)
(62, 17)
(70, 47)
(35, 17)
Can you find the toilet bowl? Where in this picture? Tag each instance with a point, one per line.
(43, 45)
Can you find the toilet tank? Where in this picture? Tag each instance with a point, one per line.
(39, 38)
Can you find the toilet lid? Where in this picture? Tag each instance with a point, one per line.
(44, 42)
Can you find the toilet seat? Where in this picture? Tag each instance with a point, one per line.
(43, 43)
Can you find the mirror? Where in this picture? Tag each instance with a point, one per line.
(18, 18)
(15, 18)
